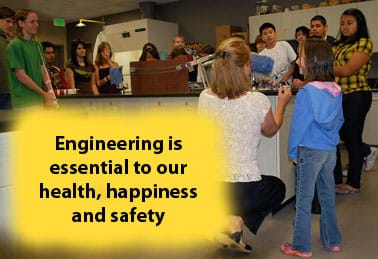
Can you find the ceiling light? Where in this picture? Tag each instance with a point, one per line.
(82, 24)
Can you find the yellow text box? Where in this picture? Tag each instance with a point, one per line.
(117, 180)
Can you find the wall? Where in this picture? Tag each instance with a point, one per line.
(89, 33)
(197, 19)
(56, 35)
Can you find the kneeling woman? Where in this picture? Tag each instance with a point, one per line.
(246, 116)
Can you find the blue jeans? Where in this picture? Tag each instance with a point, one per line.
(315, 167)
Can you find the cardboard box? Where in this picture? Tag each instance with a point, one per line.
(224, 32)
(159, 77)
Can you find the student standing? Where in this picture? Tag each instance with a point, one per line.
(313, 137)
(26, 69)
(103, 64)
(281, 52)
(80, 71)
(56, 74)
(352, 64)
(6, 30)
(319, 28)
(301, 34)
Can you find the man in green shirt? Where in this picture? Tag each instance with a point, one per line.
(6, 31)
(26, 69)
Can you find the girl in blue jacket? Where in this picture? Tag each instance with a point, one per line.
(313, 137)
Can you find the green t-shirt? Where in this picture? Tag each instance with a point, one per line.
(23, 54)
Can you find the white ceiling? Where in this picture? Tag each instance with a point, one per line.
(72, 10)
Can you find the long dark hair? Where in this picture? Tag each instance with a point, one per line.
(74, 46)
(152, 50)
(318, 59)
(362, 29)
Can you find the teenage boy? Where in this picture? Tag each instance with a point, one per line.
(319, 28)
(280, 51)
(178, 42)
(56, 74)
(6, 31)
(25, 62)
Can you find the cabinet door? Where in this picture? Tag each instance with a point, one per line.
(6, 154)
(371, 122)
(267, 152)
(286, 167)
(370, 9)
(294, 19)
(332, 15)
(256, 21)
(171, 104)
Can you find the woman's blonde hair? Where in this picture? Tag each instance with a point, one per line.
(21, 15)
(99, 59)
(228, 75)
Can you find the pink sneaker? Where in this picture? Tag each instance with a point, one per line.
(287, 250)
(334, 249)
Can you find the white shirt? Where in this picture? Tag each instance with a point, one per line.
(282, 54)
(242, 119)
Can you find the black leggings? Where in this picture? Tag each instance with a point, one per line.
(355, 107)
(253, 201)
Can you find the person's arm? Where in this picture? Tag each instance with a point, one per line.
(289, 72)
(300, 121)
(100, 82)
(93, 85)
(273, 120)
(28, 82)
(297, 83)
(70, 78)
(357, 60)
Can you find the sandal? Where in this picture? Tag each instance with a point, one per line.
(234, 241)
(346, 190)
(334, 249)
(288, 250)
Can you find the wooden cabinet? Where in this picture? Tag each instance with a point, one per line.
(223, 32)
(370, 128)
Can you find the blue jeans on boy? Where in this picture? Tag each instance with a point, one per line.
(315, 167)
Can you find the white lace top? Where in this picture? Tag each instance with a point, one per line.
(243, 118)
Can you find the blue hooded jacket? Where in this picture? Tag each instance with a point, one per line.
(317, 118)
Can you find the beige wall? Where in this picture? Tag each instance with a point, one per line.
(56, 35)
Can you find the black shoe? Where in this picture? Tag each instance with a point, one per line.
(236, 237)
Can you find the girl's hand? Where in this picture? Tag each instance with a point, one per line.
(297, 83)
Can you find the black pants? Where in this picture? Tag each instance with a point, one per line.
(253, 201)
(355, 107)
(5, 102)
